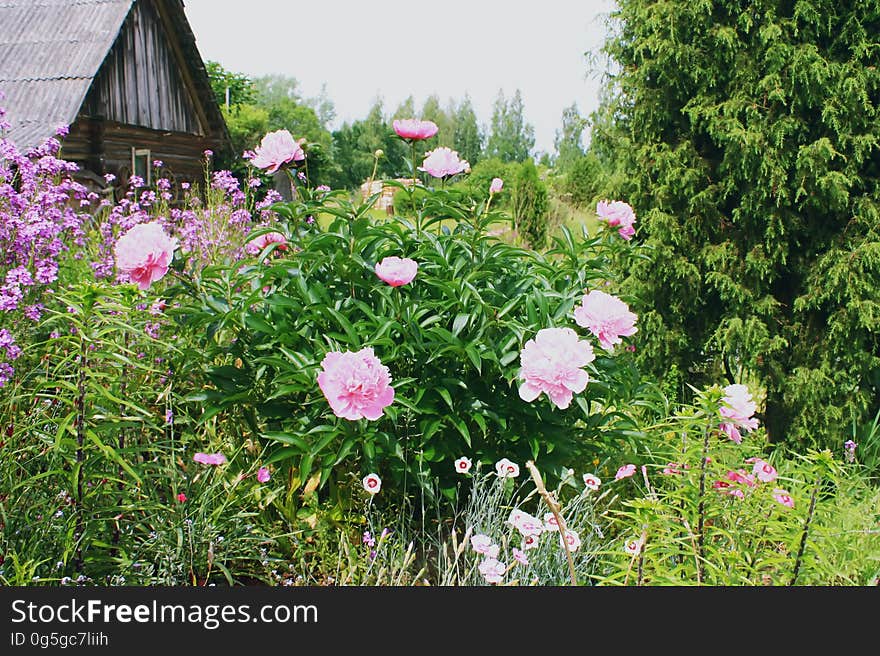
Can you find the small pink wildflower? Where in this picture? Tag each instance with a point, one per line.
(492, 570)
(592, 481)
(209, 458)
(506, 468)
(263, 474)
(483, 544)
(783, 497)
(372, 483)
(625, 471)
(463, 465)
(574, 542)
(765, 472)
(520, 556)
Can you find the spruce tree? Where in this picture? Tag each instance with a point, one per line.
(750, 139)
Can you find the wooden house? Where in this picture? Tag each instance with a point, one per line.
(124, 75)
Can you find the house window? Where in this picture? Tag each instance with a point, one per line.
(140, 164)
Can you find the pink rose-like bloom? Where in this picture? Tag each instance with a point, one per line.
(263, 474)
(483, 544)
(592, 481)
(372, 483)
(463, 465)
(625, 472)
(144, 253)
(607, 317)
(496, 185)
(574, 542)
(397, 271)
(783, 497)
(765, 472)
(506, 468)
(356, 384)
(551, 363)
(617, 214)
(443, 162)
(276, 149)
(738, 408)
(520, 556)
(259, 243)
(209, 458)
(492, 570)
(414, 129)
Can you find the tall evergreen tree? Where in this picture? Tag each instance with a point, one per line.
(750, 139)
(568, 140)
(468, 137)
(511, 138)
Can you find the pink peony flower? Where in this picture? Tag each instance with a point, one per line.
(263, 474)
(765, 472)
(372, 483)
(444, 162)
(397, 271)
(413, 129)
(738, 407)
(520, 556)
(551, 363)
(276, 149)
(625, 472)
(356, 384)
(607, 317)
(492, 570)
(617, 214)
(483, 544)
(574, 542)
(525, 523)
(144, 253)
(210, 458)
(783, 497)
(592, 481)
(506, 468)
(259, 243)
(496, 185)
(463, 465)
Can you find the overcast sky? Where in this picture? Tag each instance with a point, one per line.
(364, 49)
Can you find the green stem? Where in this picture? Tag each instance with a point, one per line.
(701, 508)
(803, 545)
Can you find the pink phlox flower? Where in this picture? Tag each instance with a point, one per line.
(263, 474)
(356, 384)
(607, 317)
(764, 471)
(625, 471)
(783, 497)
(397, 271)
(209, 458)
(552, 363)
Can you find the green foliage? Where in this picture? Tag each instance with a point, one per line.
(451, 340)
(691, 523)
(529, 205)
(748, 138)
(238, 88)
(511, 138)
(468, 140)
(568, 139)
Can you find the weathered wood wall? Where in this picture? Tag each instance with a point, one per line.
(140, 82)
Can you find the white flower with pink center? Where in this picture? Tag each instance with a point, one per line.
(520, 556)
(492, 570)
(572, 539)
(463, 465)
(592, 482)
(506, 468)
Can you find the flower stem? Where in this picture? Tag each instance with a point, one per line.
(556, 510)
(701, 508)
(800, 554)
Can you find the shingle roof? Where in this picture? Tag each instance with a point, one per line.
(50, 51)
